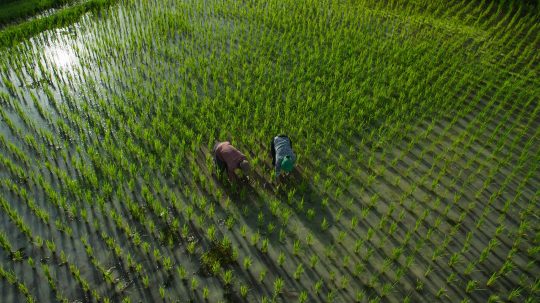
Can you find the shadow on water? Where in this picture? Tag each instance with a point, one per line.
(298, 191)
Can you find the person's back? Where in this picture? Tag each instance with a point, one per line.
(282, 154)
(231, 158)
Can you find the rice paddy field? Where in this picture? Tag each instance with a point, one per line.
(416, 125)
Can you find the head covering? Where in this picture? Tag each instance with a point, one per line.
(287, 164)
(245, 167)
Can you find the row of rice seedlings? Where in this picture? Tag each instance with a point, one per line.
(28, 138)
(42, 214)
(452, 261)
(456, 143)
(370, 179)
(23, 194)
(454, 257)
(36, 240)
(162, 261)
(12, 279)
(159, 210)
(136, 240)
(16, 218)
(500, 35)
(423, 153)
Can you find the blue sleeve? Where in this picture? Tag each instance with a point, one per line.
(278, 167)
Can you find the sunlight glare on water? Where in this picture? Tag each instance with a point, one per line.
(61, 56)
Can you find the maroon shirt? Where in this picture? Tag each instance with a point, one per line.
(231, 156)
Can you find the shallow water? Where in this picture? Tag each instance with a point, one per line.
(135, 97)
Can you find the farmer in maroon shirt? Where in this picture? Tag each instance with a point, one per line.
(230, 159)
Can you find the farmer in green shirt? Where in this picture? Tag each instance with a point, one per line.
(283, 157)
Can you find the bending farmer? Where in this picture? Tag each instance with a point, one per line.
(230, 159)
(283, 157)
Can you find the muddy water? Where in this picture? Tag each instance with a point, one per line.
(68, 64)
(116, 87)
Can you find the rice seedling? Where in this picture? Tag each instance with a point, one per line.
(243, 290)
(278, 286)
(247, 262)
(264, 247)
(146, 281)
(162, 292)
(262, 275)
(303, 297)
(298, 272)
(182, 272)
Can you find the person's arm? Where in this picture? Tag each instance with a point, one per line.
(231, 174)
(278, 167)
(273, 152)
